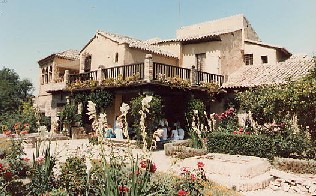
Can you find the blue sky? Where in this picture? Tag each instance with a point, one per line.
(33, 29)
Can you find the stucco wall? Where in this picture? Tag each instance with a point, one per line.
(212, 51)
(102, 51)
(259, 51)
(231, 23)
(222, 57)
(231, 56)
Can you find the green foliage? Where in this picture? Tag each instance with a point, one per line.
(73, 175)
(69, 114)
(257, 145)
(275, 102)
(42, 174)
(153, 117)
(13, 90)
(102, 98)
(26, 114)
(227, 121)
(194, 104)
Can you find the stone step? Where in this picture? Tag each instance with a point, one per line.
(236, 183)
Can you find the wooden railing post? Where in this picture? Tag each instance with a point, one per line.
(193, 75)
(66, 76)
(148, 68)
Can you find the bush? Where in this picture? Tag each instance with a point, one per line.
(73, 175)
(257, 145)
(250, 145)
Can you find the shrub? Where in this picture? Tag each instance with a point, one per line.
(73, 175)
(257, 145)
(251, 145)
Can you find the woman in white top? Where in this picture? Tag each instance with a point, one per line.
(118, 128)
(174, 134)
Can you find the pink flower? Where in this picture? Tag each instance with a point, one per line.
(235, 132)
(185, 170)
(24, 132)
(200, 164)
(40, 159)
(182, 192)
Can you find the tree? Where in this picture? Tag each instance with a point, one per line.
(13, 90)
(275, 102)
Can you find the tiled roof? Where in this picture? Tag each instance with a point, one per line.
(215, 37)
(135, 43)
(269, 45)
(256, 75)
(67, 54)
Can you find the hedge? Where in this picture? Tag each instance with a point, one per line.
(255, 145)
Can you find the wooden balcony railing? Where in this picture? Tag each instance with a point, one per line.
(149, 71)
(125, 71)
(208, 78)
(91, 75)
(170, 71)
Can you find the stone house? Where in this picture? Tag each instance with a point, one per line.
(176, 69)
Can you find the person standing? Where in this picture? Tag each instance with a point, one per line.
(118, 128)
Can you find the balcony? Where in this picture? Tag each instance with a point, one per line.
(147, 72)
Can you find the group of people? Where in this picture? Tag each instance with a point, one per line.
(117, 132)
(163, 131)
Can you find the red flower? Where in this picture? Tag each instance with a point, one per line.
(182, 192)
(153, 168)
(248, 133)
(193, 177)
(241, 129)
(7, 133)
(7, 175)
(235, 132)
(123, 189)
(25, 159)
(143, 163)
(24, 132)
(200, 164)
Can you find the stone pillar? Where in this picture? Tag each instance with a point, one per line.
(66, 76)
(193, 76)
(148, 68)
(100, 75)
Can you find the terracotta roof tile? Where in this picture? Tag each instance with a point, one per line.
(256, 75)
(135, 43)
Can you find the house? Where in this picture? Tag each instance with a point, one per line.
(201, 55)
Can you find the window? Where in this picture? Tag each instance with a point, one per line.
(200, 61)
(87, 64)
(116, 58)
(248, 59)
(264, 59)
(50, 73)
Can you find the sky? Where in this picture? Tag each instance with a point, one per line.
(33, 29)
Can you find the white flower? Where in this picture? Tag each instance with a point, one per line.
(147, 100)
(124, 108)
(195, 111)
